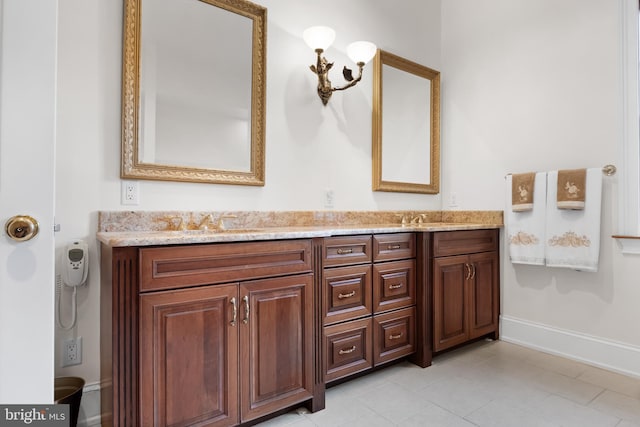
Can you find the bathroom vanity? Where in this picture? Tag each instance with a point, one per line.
(224, 328)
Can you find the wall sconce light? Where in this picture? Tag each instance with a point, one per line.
(319, 38)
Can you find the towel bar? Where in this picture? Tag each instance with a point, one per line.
(608, 170)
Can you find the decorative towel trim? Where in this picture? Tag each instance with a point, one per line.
(523, 239)
(570, 239)
(571, 189)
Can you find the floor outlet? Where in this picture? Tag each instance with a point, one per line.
(72, 352)
(130, 193)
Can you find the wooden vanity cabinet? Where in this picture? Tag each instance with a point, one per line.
(369, 299)
(209, 335)
(465, 286)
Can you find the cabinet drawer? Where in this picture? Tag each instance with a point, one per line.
(348, 348)
(394, 285)
(346, 250)
(346, 293)
(181, 266)
(393, 335)
(387, 247)
(447, 243)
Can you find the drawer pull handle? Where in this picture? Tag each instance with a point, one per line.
(348, 350)
(468, 267)
(395, 337)
(245, 299)
(235, 311)
(349, 295)
(344, 251)
(398, 286)
(392, 247)
(473, 275)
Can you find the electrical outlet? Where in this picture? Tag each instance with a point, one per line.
(72, 352)
(328, 198)
(453, 200)
(130, 193)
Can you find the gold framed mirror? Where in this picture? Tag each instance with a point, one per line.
(193, 96)
(406, 126)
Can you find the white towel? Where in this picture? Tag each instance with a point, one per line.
(526, 230)
(573, 236)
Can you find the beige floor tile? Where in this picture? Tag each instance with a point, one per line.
(573, 389)
(393, 402)
(620, 405)
(612, 381)
(557, 364)
(458, 395)
(488, 383)
(502, 413)
(435, 416)
(567, 413)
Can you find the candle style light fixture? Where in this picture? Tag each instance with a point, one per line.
(319, 38)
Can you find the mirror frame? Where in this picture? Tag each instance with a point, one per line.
(385, 58)
(131, 166)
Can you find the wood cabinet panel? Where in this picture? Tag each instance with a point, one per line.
(484, 294)
(389, 247)
(173, 267)
(394, 285)
(393, 335)
(188, 358)
(466, 287)
(347, 250)
(450, 302)
(447, 243)
(346, 293)
(348, 348)
(276, 343)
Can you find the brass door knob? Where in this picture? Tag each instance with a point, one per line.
(21, 228)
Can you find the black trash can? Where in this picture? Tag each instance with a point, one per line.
(68, 390)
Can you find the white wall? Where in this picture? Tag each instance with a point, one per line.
(309, 147)
(536, 85)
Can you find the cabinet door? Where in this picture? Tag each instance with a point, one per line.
(189, 357)
(450, 323)
(483, 294)
(276, 344)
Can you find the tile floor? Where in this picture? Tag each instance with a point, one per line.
(489, 383)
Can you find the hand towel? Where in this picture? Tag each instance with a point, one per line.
(571, 188)
(526, 230)
(573, 236)
(522, 186)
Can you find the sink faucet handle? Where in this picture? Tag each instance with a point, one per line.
(221, 220)
(174, 223)
(404, 219)
(205, 222)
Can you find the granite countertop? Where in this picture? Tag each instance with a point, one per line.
(121, 229)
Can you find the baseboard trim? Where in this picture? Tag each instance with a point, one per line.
(90, 414)
(611, 355)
